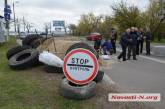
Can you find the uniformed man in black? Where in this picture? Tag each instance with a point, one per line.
(113, 39)
(141, 40)
(132, 45)
(148, 41)
(124, 42)
(138, 41)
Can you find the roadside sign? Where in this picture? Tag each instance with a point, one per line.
(59, 23)
(7, 16)
(7, 12)
(80, 66)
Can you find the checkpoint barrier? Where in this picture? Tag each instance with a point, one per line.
(80, 69)
(80, 66)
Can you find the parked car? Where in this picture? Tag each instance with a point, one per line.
(45, 35)
(23, 35)
(94, 36)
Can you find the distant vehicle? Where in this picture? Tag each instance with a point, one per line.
(23, 35)
(94, 36)
(43, 34)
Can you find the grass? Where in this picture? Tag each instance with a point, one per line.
(162, 41)
(33, 88)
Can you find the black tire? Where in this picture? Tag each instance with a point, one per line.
(37, 42)
(15, 50)
(99, 77)
(30, 38)
(24, 59)
(77, 92)
(52, 69)
(84, 46)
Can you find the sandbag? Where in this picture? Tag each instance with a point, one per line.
(50, 59)
(105, 57)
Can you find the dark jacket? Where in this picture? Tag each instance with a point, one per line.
(148, 36)
(97, 43)
(141, 36)
(134, 37)
(138, 35)
(107, 45)
(124, 39)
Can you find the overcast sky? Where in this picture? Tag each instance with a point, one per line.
(40, 11)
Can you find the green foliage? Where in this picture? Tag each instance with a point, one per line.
(72, 28)
(152, 21)
(126, 17)
(90, 23)
(86, 24)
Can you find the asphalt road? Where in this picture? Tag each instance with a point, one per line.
(146, 75)
(141, 76)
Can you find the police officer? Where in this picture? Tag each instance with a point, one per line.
(97, 44)
(148, 41)
(113, 39)
(132, 45)
(138, 40)
(124, 42)
(141, 40)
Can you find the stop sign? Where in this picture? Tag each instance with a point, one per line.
(80, 66)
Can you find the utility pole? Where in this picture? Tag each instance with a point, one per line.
(14, 17)
(50, 28)
(24, 24)
(7, 23)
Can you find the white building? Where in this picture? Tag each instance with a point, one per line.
(2, 29)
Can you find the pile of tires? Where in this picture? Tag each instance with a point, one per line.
(84, 46)
(80, 92)
(33, 40)
(25, 56)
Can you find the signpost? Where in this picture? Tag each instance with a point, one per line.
(80, 66)
(7, 12)
(59, 26)
(59, 23)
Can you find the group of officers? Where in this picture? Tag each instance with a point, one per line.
(131, 42)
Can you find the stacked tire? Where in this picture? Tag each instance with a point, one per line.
(53, 69)
(80, 92)
(73, 91)
(33, 40)
(25, 56)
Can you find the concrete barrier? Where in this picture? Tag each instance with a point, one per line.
(159, 51)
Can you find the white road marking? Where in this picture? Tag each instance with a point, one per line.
(149, 58)
(153, 59)
(107, 79)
